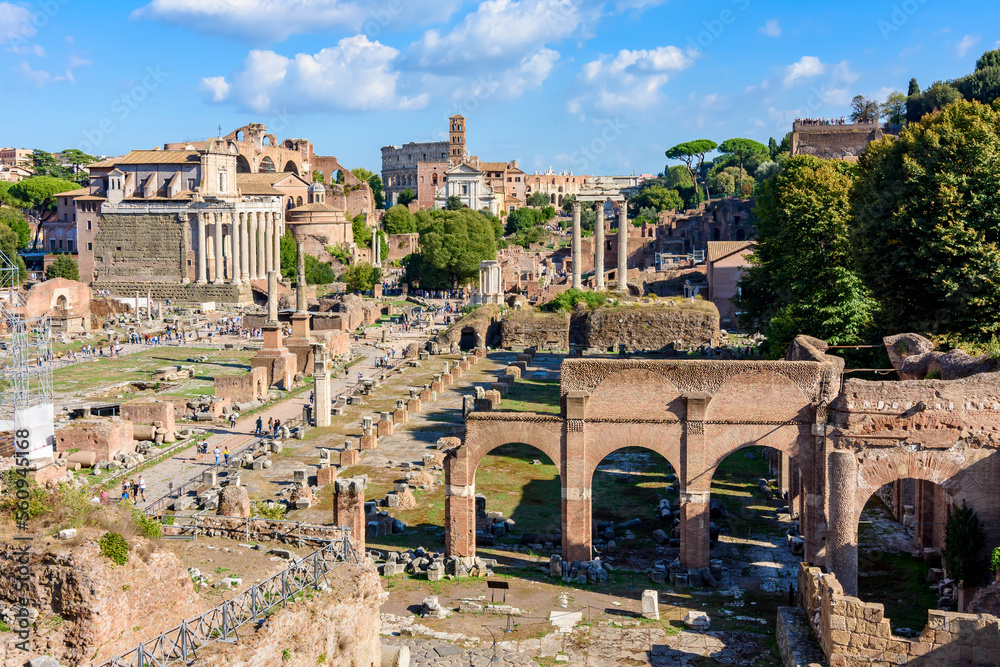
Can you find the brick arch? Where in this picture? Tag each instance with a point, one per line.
(759, 395)
(487, 438)
(615, 396)
(604, 439)
(793, 440)
(875, 471)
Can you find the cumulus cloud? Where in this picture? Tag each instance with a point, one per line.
(967, 44)
(632, 79)
(498, 30)
(272, 21)
(355, 75)
(36, 77)
(15, 23)
(807, 66)
(771, 28)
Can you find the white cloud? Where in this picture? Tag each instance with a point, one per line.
(771, 28)
(967, 44)
(77, 61)
(271, 21)
(37, 77)
(807, 66)
(355, 75)
(630, 80)
(842, 73)
(498, 30)
(27, 50)
(15, 23)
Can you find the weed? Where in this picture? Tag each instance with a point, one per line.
(286, 655)
(114, 546)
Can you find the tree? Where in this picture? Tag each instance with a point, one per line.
(925, 209)
(913, 88)
(7, 199)
(658, 198)
(317, 176)
(454, 203)
(935, 98)
(893, 110)
(399, 220)
(339, 177)
(744, 150)
(567, 205)
(406, 197)
(802, 277)
(362, 232)
(288, 253)
(865, 109)
(361, 277)
(374, 181)
(8, 246)
(77, 157)
(964, 539)
(14, 220)
(40, 192)
(688, 151)
(538, 198)
(452, 243)
(772, 148)
(63, 267)
(318, 273)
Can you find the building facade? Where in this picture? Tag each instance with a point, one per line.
(420, 167)
(469, 185)
(15, 157)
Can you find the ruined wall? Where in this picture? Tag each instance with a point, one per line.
(834, 141)
(534, 329)
(140, 248)
(176, 292)
(106, 608)
(401, 245)
(104, 437)
(243, 388)
(855, 632)
(652, 327)
(149, 411)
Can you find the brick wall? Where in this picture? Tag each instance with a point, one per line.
(105, 437)
(243, 388)
(652, 328)
(149, 411)
(534, 329)
(140, 248)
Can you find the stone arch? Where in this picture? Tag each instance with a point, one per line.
(793, 440)
(759, 395)
(267, 165)
(242, 165)
(607, 438)
(741, 235)
(298, 201)
(291, 167)
(615, 396)
(239, 135)
(289, 144)
(484, 440)
(61, 301)
(269, 140)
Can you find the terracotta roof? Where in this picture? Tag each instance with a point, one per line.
(493, 166)
(90, 198)
(150, 157)
(315, 208)
(253, 188)
(266, 178)
(721, 249)
(79, 192)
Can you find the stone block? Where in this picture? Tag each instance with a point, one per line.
(513, 371)
(651, 605)
(300, 475)
(369, 440)
(499, 387)
(493, 397)
(348, 457)
(326, 475)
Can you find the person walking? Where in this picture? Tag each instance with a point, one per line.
(232, 420)
(277, 425)
(142, 487)
(216, 452)
(260, 424)
(124, 489)
(225, 454)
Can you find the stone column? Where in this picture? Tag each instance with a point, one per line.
(300, 278)
(202, 251)
(276, 249)
(599, 245)
(261, 254)
(695, 484)
(349, 510)
(252, 241)
(577, 283)
(321, 380)
(623, 247)
(245, 246)
(237, 276)
(149, 307)
(268, 245)
(841, 542)
(272, 297)
(576, 483)
(219, 272)
(459, 506)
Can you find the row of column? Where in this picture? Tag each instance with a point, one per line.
(599, 247)
(254, 245)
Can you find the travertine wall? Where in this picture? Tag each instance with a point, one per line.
(146, 248)
(104, 437)
(534, 329)
(833, 141)
(176, 292)
(652, 327)
(853, 632)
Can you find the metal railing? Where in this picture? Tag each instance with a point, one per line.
(182, 642)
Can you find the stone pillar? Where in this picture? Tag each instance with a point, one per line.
(695, 484)
(252, 246)
(272, 297)
(149, 307)
(300, 278)
(460, 505)
(202, 250)
(268, 244)
(623, 247)
(219, 272)
(349, 510)
(376, 251)
(576, 490)
(841, 542)
(321, 380)
(235, 244)
(784, 476)
(599, 246)
(276, 248)
(261, 245)
(577, 283)
(245, 247)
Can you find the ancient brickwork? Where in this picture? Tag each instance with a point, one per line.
(243, 388)
(853, 632)
(178, 293)
(833, 141)
(533, 329)
(104, 437)
(149, 411)
(653, 327)
(140, 248)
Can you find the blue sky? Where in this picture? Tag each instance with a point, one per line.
(599, 87)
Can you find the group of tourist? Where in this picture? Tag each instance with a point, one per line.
(133, 489)
(822, 121)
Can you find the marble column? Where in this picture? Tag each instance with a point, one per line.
(219, 272)
(245, 246)
(599, 246)
(623, 247)
(261, 260)
(577, 282)
(321, 381)
(272, 297)
(278, 233)
(237, 276)
(300, 278)
(202, 251)
(268, 243)
(251, 246)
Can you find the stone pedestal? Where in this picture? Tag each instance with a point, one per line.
(400, 415)
(385, 425)
(413, 405)
(447, 380)
(425, 394)
(651, 605)
(326, 475)
(437, 384)
(348, 457)
(349, 510)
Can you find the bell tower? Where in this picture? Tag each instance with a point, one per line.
(456, 138)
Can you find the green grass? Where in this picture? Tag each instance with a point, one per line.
(528, 395)
(900, 585)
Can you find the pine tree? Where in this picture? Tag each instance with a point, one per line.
(914, 88)
(963, 540)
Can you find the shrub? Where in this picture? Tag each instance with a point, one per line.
(568, 300)
(963, 540)
(38, 502)
(114, 546)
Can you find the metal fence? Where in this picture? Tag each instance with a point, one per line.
(182, 643)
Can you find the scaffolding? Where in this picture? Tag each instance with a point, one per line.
(25, 366)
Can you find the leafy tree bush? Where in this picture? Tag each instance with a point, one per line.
(658, 198)
(454, 203)
(288, 254)
(538, 198)
(865, 109)
(963, 541)
(690, 151)
(399, 220)
(406, 197)
(362, 232)
(318, 273)
(114, 546)
(744, 150)
(361, 277)
(925, 210)
(39, 192)
(16, 222)
(63, 267)
(548, 212)
(452, 245)
(567, 300)
(802, 277)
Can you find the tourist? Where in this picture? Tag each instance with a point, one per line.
(216, 452)
(270, 424)
(142, 488)
(260, 423)
(226, 455)
(277, 425)
(124, 490)
(232, 420)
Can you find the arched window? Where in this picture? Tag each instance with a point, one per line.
(267, 166)
(298, 201)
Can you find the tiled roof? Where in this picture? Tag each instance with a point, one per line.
(267, 178)
(721, 249)
(79, 192)
(150, 157)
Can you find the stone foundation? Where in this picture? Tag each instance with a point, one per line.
(177, 293)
